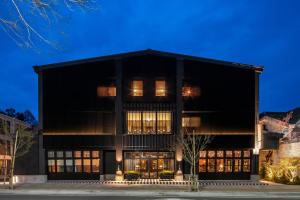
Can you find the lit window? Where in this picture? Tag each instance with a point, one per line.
(51, 166)
(160, 88)
(211, 165)
(60, 165)
(86, 154)
(163, 122)
(153, 122)
(191, 124)
(190, 91)
(68, 154)
(137, 88)
(95, 165)
(237, 154)
(211, 154)
(77, 154)
(246, 165)
(237, 165)
(220, 165)
(134, 122)
(103, 91)
(247, 154)
(87, 165)
(220, 154)
(202, 154)
(78, 166)
(69, 165)
(229, 154)
(50, 154)
(202, 165)
(149, 119)
(228, 165)
(59, 154)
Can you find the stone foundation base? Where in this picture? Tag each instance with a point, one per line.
(254, 178)
(30, 179)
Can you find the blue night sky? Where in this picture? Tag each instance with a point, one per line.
(254, 32)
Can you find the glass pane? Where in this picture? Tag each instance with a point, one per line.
(237, 165)
(220, 165)
(246, 166)
(246, 154)
(106, 91)
(68, 154)
(95, 154)
(228, 154)
(95, 165)
(134, 122)
(132, 165)
(237, 154)
(228, 165)
(50, 154)
(202, 165)
(191, 122)
(149, 119)
(86, 154)
(69, 165)
(59, 154)
(211, 154)
(220, 154)
(163, 122)
(137, 88)
(77, 154)
(211, 165)
(51, 166)
(86, 165)
(78, 166)
(160, 88)
(60, 165)
(202, 154)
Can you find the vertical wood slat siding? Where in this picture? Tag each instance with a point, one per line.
(130, 142)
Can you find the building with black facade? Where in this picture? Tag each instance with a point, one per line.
(123, 112)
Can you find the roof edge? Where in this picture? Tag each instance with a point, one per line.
(256, 68)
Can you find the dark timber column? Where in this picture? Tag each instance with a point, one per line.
(179, 107)
(118, 110)
(255, 156)
(41, 157)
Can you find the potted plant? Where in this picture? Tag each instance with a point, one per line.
(132, 175)
(166, 174)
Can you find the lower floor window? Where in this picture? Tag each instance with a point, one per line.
(224, 161)
(73, 161)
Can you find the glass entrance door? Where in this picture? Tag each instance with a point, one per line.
(148, 164)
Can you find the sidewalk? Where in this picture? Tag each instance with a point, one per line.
(270, 191)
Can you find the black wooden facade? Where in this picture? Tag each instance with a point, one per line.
(76, 121)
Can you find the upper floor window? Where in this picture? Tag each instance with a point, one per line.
(148, 122)
(104, 91)
(191, 124)
(137, 88)
(188, 91)
(160, 88)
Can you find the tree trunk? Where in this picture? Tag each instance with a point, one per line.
(11, 179)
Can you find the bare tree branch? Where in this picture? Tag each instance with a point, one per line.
(23, 24)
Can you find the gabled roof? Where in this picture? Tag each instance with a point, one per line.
(280, 115)
(148, 52)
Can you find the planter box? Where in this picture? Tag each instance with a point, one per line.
(166, 176)
(131, 177)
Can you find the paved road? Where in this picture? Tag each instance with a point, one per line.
(56, 197)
